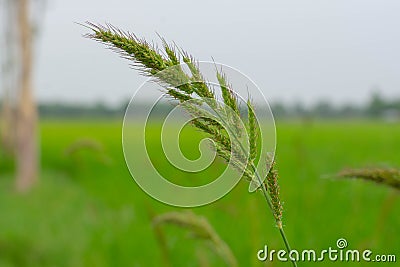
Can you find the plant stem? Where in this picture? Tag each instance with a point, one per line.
(287, 244)
(279, 224)
(265, 193)
(268, 199)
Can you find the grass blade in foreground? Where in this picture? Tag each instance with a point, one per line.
(193, 89)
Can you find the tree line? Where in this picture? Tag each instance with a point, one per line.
(376, 107)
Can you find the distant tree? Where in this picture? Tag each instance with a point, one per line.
(350, 111)
(395, 105)
(279, 110)
(376, 106)
(19, 116)
(299, 110)
(27, 150)
(323, 109)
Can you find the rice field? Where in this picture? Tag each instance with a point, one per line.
(88, 211)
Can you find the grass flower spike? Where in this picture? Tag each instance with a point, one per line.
(385, 176)
(192, 91)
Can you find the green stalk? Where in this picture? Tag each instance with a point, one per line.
(265, 193)
(280, 226)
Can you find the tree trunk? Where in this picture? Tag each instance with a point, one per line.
(26, 154)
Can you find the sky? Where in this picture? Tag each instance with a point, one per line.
(295, 51)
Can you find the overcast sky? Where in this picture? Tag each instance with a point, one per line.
(305, 51)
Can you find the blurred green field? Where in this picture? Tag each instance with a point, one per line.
(88, 211)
